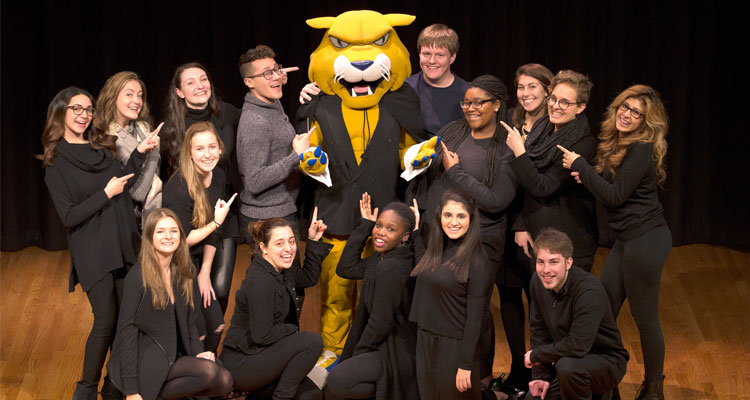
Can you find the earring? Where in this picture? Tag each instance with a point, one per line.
(265, 253)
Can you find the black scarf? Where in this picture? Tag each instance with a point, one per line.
(541, 144)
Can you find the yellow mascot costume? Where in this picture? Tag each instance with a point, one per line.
(362, 118)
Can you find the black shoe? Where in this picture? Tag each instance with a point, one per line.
(84, 392)
(651, 390)
(110, 391)
(497, 385)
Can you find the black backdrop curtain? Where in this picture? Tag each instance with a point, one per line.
(690, 52)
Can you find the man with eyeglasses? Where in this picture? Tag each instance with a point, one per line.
(268, 148)
(439, 90)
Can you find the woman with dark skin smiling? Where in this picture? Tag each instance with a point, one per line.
(378, 359)
(629, 167)
(85, 182)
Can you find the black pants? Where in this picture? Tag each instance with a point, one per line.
(104, 297)
(633, 271)
(192, 376)
(222, 271)
(211, 318)
(437, 365)
(356, 377)
(285, 363)
(580, 378)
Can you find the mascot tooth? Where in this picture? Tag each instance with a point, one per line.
(365, 117)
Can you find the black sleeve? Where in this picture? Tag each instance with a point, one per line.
(133, 296)
(387, 299)
(196, 346)
(404, 105)
(635, 165)
(419, 248)
(539, 334)
(259, 299)
(306, 113)
(133, 166)
(477, 289)
(175, 197)
(490, 199)
(351, 264)
(308, 274)
(71, 214)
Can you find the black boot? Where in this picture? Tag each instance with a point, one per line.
(110, 391)
(84, 392)
(651, 390)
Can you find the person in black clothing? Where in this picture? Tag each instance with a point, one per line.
(576, 348)
(191, 98)
(158, 306)
(552, 198)
(190, 193)
(264, 349)
(629, 167)
(453, 283)
(378, 358)
(85, 182)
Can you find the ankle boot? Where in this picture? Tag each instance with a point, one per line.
(84, 392)
(651, 390)
(110, 391)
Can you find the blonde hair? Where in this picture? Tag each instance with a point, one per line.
(202, 211)
(106, 108)
(438, 35)
(181, 266)
(653, 129)
(578, 81)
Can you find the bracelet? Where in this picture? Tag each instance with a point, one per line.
(218, 225)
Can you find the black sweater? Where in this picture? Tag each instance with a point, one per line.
(552, 198)
(630, 196)
(266, 303)
(102, 232)
(381, 322)
(572, 323)
(445, 307)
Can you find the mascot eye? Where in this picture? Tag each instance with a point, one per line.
(382, 40)
(338, 43)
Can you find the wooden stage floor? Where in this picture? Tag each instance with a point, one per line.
(704, 314)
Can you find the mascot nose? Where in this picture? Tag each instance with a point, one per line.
(361, 65)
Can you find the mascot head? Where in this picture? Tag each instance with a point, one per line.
(360, 57)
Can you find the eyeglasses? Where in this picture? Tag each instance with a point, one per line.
(79, 109)
(562, 103)
(475, 104)
(268, 74)
(636, 114)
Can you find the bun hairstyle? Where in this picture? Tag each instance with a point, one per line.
(404, 212)
(261, 231)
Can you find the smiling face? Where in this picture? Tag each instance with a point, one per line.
(552, 269)
(195, 88)
(281, 248)
(486, 114)
(205, 151)
(531, 93)
(265, 90)
(455, 219)
(389, 232)
(625, 122)
(76, 125)
(435, 63)
(557, 115)
(166, 236)
(128, 103)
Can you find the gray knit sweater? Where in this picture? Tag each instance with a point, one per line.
(268, 164)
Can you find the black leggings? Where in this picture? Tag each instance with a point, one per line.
(104, 297)
(355, 378)
(222, 271)
(192, 376)
(633, 271)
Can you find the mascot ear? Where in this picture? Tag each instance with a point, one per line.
(396, 19)
(321, 23)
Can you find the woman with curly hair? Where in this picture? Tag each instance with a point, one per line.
(629, 167)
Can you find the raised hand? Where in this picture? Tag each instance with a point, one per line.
(116, 185)
(426, 152)
(311, 89)
(514, 140)
(317, 227)
(449, 158)
(313, 162)
(301, 142)
(221, 209)
(568, 157)
(365, 208)
(415, 210)
(151, 141)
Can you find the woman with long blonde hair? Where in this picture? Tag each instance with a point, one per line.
(190, 192)
(629, 167)
(158, 304)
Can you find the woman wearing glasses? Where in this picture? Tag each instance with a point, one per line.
(552, 198)
(191, 99)
(123, 113)
(86, 182)
(473, 157)
(629, 167)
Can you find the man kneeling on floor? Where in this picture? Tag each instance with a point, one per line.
(576, 348)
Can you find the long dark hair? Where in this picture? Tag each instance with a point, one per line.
(469, 251)
(174, 127)
(457, 131)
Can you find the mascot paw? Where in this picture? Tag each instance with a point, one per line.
(426, 152)
(313, 161)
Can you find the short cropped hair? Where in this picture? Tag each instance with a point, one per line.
(438, 35)
(260, 52)
(554, 242)
(579, 82)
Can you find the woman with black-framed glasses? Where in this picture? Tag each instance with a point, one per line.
(629, 167)
(86, 183)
